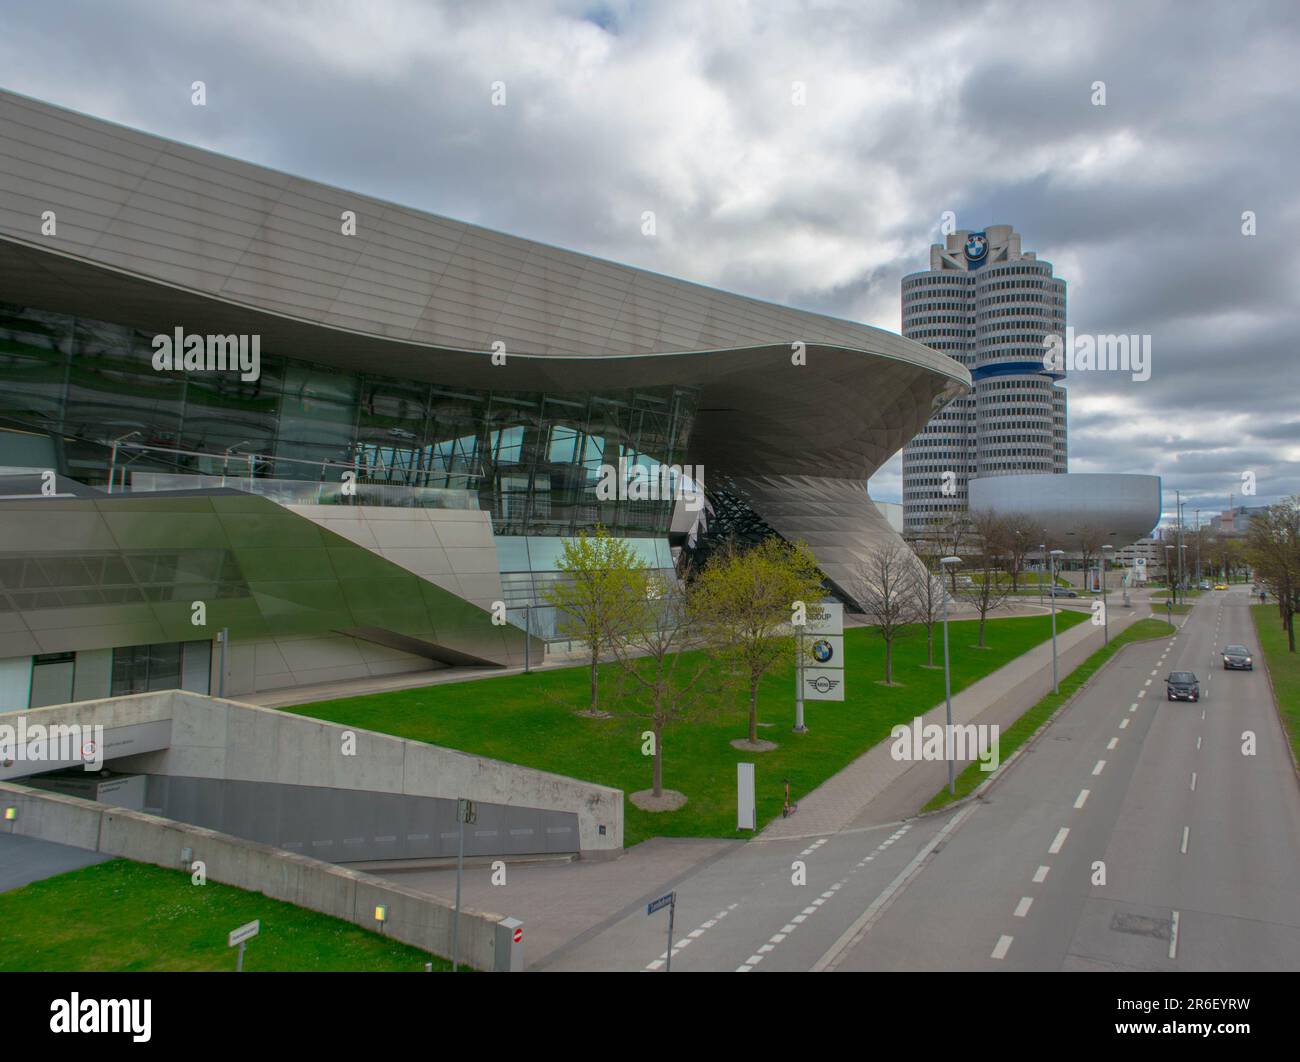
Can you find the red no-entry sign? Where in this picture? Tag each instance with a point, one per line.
(517, 936)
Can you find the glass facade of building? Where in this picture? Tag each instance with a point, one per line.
(72, 385)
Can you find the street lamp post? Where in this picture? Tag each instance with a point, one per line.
(1042, 548)
(947, 680)
(1105, 612)
(1169, 575)
(1198, 549)
(1056, 686)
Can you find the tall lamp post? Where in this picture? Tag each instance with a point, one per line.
(1198, 549)
(1169, 574)
(1105, 612)
(1056, 686)
(945, 565)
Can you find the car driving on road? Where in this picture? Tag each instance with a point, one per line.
(1237, 658)
(1182, 686)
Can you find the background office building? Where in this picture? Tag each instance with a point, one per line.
(987, 304)
(360, 503)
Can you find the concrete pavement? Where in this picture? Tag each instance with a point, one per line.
(27, 859)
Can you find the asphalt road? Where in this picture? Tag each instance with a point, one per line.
(1199, 844)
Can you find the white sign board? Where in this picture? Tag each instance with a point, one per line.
(823, 684)
(831, 622)
(243, 933)
(745, 810)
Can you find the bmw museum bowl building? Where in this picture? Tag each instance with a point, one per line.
(348, 432)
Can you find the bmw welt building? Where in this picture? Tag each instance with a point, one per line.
(355, 436)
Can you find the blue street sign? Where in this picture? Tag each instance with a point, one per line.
(659, 904)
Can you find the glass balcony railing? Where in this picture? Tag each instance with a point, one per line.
(306, 492)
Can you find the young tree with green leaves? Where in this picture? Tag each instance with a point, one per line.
(599, 599)
(1273, 550)
(658, 661)
(744, 600)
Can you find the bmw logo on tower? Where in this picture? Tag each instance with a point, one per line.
(977, 246)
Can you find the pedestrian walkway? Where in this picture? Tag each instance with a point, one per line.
(876, 788)
(563, 904)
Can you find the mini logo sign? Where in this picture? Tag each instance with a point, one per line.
(977, 246)
(822, 684)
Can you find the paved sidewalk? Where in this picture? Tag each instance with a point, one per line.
(561, 904)
(876, 788)
(27, 859)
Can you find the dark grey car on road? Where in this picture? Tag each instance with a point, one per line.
(1238, 658)
(1182, 686)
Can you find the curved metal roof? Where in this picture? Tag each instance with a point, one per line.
(153, 233)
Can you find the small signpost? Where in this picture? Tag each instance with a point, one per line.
(465, 812)
(242, 936)
(669, 901)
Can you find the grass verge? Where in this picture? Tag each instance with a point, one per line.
(530, 720)
(1283, 669)
(1023, 728)
(127, 917)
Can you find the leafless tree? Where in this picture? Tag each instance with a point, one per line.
(1022, 539)
(1089, 542)
(928, 592)
(986, 592)
(883, 584)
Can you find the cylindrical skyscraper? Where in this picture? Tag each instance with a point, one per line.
(989, 305)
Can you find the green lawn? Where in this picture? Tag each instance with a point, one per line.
(1177, 610)
(531, 720)
(1283, 668)
(1023, 728)
(126, 916)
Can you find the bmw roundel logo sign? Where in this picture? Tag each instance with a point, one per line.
(977, 246)
(822, 651)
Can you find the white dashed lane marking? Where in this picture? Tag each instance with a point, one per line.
(1040, 875)
(1056, 844)
(1003, 944)
(694, 934)
(1101, 766)
(1081, 799)
(1022, 908)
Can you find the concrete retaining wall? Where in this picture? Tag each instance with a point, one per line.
(414, 918)
(214, 738)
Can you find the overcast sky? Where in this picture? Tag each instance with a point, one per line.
(912, 109)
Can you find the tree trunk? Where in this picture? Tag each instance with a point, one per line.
(659, 761)
(983, 616)
(753, 709)
(889, 661)
(595, 663)
(929, 645)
